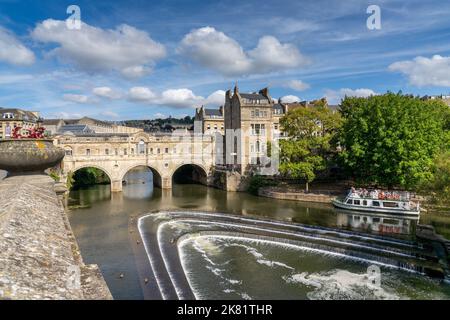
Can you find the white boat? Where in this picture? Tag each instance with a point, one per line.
(389, 202)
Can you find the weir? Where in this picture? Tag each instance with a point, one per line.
(166, 234)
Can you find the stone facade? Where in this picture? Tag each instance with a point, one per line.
(255, 117)
(12, 118)
(212, 120)
(118, 154)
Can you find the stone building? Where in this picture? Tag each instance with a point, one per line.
(254, 119)
(10, 118)
(212, 120)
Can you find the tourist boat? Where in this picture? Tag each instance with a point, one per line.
(376, 201)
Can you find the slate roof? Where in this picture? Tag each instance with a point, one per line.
(213, 112)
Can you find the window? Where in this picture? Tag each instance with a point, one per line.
(166, 150)
(132, 150)
(390, 204)
(357, 202)
(151, 150)
(8, 115)
(376, 203)
(208, 127)
(376, 220)
(88, 152)
(125, 151)
(349, 201)
(215, 127)
(159, 151)
(364, 202)
(141, 147)
(68, 152)
(107, 152)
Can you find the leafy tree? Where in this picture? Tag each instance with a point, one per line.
(309, 146)
(89, 176)
(392, 139)
(438, 188)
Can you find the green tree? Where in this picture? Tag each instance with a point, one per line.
(392, 139)
(438, 188)
(310, 144)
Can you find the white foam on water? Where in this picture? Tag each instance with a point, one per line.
(341, 284)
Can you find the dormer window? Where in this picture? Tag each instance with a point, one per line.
(8, 115)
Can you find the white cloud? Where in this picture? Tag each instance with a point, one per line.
(125, 49)
(143, 94)
(106, 92)
(215, 50)
(297, 85)
(77, 98)
(335, 96)
(175, 98)
(159, 115)
(423, 71)
(14, 78)
(290, 99)
(180, 98)
(215, 99)
(13, 51)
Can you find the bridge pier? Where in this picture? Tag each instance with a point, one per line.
(166, 183)
(116, 186)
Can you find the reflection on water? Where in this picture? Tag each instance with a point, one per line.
(100, 219)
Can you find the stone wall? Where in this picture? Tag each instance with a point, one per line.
(273, 192)
(39, 257)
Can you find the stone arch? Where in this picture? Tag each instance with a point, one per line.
(191, 173)
(105, 171)
(157, 177)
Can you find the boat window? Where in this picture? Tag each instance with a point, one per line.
(357, 202)
(390, 221)
(356, 218)
(390, 204)
(375, 220)
(349, 201)
(376, 203)
(364, 202)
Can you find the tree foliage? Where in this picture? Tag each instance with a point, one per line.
(89, 176)
(309, 146)
(438, 188)
(392, 139)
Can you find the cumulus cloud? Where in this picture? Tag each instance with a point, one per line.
(215, 99)
(290, 99)
(179, 98)
(423, 71)
(106, 92)
(297, 85)
(77, 98)
(143, 94)
(336, 96)
(12, 51)
(175, 98)
(125, 49)
(215, 50)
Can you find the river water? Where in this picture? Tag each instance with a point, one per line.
(222, 256)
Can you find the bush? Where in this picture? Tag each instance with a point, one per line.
(257, 182)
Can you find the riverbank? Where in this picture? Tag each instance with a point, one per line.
(39, 256)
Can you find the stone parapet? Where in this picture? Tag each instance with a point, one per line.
(39, 257)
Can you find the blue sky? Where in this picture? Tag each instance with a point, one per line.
(143, 59)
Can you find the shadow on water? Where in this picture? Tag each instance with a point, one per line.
(100, 219)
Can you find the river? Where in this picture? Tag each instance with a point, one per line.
(229, 263)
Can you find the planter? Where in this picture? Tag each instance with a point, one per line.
(29, 155)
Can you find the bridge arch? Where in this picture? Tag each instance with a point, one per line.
(85, 166)
(190, 173)
(157, 177)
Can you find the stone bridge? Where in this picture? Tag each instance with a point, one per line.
(117, 154)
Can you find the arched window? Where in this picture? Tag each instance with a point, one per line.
(141, 147)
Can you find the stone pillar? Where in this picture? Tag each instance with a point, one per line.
(166, 183)
(116, 186)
